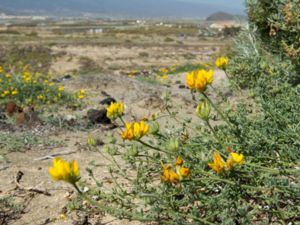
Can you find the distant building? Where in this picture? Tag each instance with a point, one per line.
(95, 31)
(220, 25)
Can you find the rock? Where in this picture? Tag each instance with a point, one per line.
(105, 93)
(66, 77)
(181, 86)
(31, 117)
(107, 101)
(55, 80)
(70, 119)
(20, 117)
(98, 116)
(11, 108)
(177, 82)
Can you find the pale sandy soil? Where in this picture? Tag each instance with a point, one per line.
(131, 57)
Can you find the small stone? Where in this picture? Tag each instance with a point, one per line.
(67, 77)
(181, 86)
(98, 116)
(70, 119)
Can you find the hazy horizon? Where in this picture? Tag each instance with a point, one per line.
(126, 8)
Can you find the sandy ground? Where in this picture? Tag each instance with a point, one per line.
(131, 57)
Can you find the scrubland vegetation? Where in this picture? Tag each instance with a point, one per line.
(234, 161)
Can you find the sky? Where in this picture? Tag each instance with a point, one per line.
(238, 4)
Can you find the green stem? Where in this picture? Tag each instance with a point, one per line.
(218, 110)
(77, 188)
(213, 131)
(153, 147)
(122, 120)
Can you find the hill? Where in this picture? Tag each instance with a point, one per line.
(220, 16)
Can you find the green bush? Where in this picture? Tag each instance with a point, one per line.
(277, 24)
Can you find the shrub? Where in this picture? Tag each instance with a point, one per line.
(277, 25)
(31, 88)
(177, 176)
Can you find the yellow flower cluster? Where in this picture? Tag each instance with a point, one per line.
(64, 171)
(175, 176)
(27, 76)
(222, 62)
(198, 80)
(219, 165)
(163, 70)
(10, 92)
(115, 110)
(81, 94)
(41, 97)
(61, 88)
(135, 131)
(5, 93)
(7, 75)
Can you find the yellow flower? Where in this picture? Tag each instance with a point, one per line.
(166, 172)
(51, 84)
(41, 97)
(7, 75)
(1, 69)
(1, 80)
(179, 161)
(115, 110)
(164, 70)
(65, 171)
(234, 159)
(165, 77)
(5, 93)
(199, 79)
(184, 172)
(135, 131)
(203, 110)
(27, 79)
(61, 88)
(46, 81)
(218, 163)
(81, 97)
(14, 92)
(222, 62)
(175, 176)
(82, 92)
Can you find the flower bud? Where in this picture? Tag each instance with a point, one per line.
(91, 141)
(173, 145)
(203, 110)
(154, 128)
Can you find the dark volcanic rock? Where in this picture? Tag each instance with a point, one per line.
(107, 101)
(98, 116)
(66, 77)
(181, 86)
